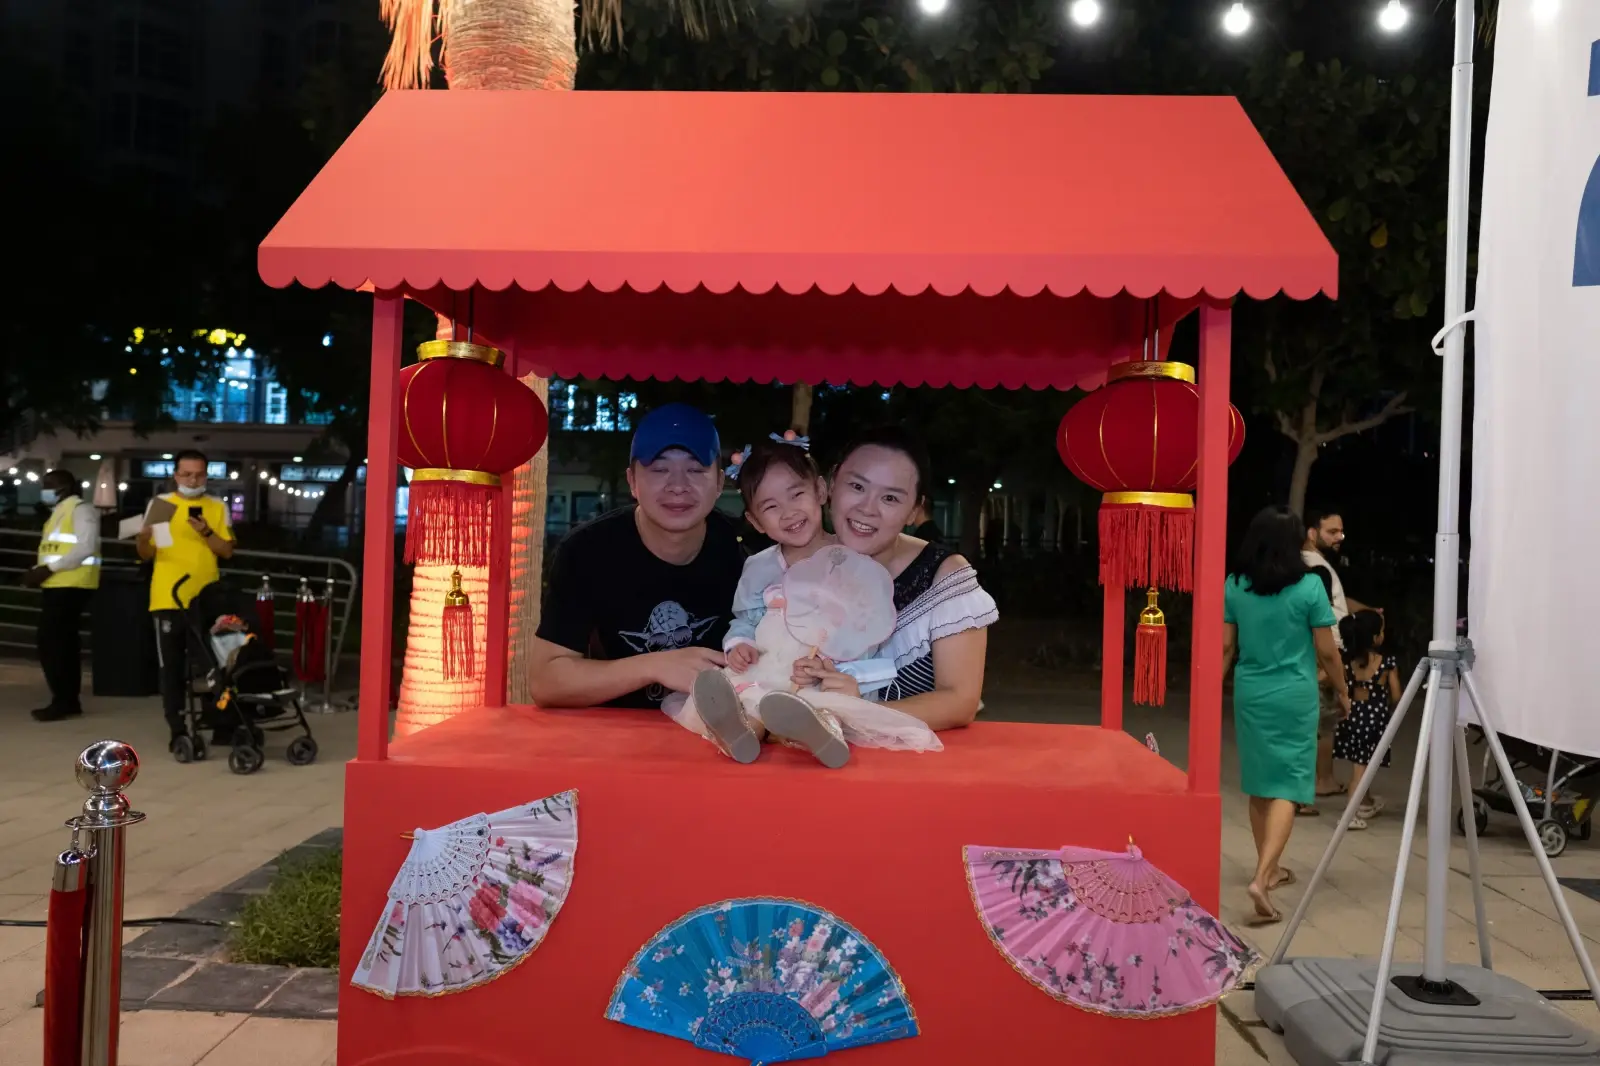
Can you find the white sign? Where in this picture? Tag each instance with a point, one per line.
(1534, 577)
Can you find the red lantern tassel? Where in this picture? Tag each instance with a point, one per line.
(458, 653)
(1150, 656)
(449, 522)
(1145, 545)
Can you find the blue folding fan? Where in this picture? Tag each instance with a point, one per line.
(768, 980)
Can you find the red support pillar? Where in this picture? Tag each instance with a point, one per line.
(377, 580)
(1114, 619)
(1211, 534)
(497, 611)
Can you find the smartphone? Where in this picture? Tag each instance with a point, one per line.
(196, 511)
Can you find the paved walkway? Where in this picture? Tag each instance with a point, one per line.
(208, 827)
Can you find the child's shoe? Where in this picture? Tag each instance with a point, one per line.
(794, 721)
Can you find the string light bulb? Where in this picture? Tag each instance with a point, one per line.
(933, 7)
(1236, 21)
(1392, 19)
(1084, 13)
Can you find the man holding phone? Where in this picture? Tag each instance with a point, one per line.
(185, 532)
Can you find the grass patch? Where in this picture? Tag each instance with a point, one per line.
(296, 921)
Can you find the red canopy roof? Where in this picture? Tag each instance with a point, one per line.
(831, 191)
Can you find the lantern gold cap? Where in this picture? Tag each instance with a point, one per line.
(1151, 615)
(448, 349)
(1150, 368)
(455, 597)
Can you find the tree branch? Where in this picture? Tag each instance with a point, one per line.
(1396, 405)
(1286, 427)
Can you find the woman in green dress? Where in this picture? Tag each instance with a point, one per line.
(1278, 620)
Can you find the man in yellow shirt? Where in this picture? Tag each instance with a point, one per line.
(67, 571)
(185, 532)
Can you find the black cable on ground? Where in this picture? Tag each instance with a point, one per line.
(17, 923)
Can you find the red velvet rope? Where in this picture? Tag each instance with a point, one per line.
(63, 977)
(310, 640)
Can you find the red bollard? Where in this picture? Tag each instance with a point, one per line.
(266, 614)
(63, 961)
(310, 640)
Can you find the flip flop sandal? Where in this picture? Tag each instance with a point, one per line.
(1256, 921)
(1306, 810)
(1357, 823)
(1286, 877)
(791, 718)
(719, 708)
(1340, 791)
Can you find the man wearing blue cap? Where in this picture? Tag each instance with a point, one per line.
(640, 597)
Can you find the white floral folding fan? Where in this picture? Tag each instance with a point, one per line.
(472, 899)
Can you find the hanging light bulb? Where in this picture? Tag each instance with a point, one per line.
(1236, 21)
(1084, 13)
(933, 7)
(1392, 19)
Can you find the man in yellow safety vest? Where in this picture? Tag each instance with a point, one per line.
(67, 572)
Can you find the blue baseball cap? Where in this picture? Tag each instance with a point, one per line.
(676, 425)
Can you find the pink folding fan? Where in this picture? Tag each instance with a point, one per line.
(1105, 931)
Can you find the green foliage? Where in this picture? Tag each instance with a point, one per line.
(296, 922)
(1368, 157)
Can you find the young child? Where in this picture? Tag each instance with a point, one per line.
(1373, 679)
(783, 494)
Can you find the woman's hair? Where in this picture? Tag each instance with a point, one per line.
(895, 439)
(1359, 634)
(1269, 559)
(766, 454)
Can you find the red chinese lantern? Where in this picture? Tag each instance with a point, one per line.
(464, 423)
(1137, 441)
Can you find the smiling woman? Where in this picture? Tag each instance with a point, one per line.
(940, 638)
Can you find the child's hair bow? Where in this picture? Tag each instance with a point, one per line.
(789, 436)
(738, 461)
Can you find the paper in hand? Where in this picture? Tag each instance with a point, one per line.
(160, 510)
(162, 534)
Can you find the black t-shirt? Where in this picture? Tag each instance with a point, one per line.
(610, 598)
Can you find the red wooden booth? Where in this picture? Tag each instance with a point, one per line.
(976, 241)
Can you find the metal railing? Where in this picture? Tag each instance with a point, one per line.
(335, 581)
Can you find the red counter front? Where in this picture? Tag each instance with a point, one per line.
(667, 825)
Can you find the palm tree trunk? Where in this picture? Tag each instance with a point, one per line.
(800, 408)
(487, 44)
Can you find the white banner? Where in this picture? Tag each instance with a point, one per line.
(1534, 575)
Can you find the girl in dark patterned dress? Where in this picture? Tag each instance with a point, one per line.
(941, 632)
(1373, 679)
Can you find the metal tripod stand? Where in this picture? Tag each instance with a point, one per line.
(1446, 1013)
(1446, 670)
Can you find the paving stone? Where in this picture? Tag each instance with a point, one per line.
(253, 883)
(217, 907)
(307, 994)
(223, 986)
(142, 977)
(181, 941)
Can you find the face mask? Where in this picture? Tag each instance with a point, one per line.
(191, 492)
(49, 497)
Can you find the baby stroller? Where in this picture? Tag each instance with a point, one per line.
(234, 678)
(1562, 808)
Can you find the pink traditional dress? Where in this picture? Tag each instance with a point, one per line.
(838, 604)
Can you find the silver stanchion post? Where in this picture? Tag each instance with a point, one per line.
(104, 768)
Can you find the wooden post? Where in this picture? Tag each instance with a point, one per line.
(1111, 666)
(377, 578)
(1211, 533)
